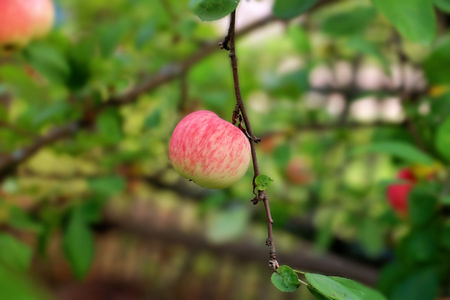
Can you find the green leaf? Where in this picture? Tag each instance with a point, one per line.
(78, 243)
(14, 253)
(286, 9)
(414, 19)
(348, 22)
(228, 224)
(263, 182)
(48, 61)
(443, 5)
(107, 185)
(285, 279)
(338, 288)
(440, 56)
(402, 150)
(442, 140)
(211, 10)
(109, 125)
(422, 205)
(16, 286)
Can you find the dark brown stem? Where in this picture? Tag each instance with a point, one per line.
(229, 43)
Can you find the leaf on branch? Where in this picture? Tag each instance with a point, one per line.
(285, 279)
(263, 182)
(338, 288)
(211, 10)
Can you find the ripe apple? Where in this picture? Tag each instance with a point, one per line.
(398, 193)
(24, 20)
(209, 150)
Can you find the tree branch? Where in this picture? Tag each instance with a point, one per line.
(9, 163)
(229, 43)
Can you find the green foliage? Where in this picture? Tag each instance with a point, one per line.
(414, 19)
(404, 151)
(78, 243)
(263, 182)
(442, 140)
(286, 9)
(438, 57)
(443, 5)
(423, 205)
(14, 254)
(285, 279)
(211, 10)
(348, 22)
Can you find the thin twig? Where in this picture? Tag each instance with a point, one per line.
(229, 43)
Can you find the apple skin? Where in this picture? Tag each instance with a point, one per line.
(209, 150)
(398, 193)
(24, 20)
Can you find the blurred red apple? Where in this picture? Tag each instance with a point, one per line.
(398, 193)
(208, 150)
(297, 171)
(24, 20)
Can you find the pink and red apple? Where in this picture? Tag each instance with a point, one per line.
(24, 20)
(209, 150)
(398, 193)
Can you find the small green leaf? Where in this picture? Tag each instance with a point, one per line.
(287, 9)
(211, 10)
(443, 5)
(414, 19)
(78, 244)
(285, 279)
(14, 253)
(442, 140)
(153, 120)
(401, 150)
(337, 288)
(263, 182)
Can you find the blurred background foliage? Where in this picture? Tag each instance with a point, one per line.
(91, 208)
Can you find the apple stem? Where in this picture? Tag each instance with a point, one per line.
(240, 113)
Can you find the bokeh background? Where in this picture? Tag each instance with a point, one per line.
(90, 207)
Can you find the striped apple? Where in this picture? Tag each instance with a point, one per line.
(24, 20)
(209, 150)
